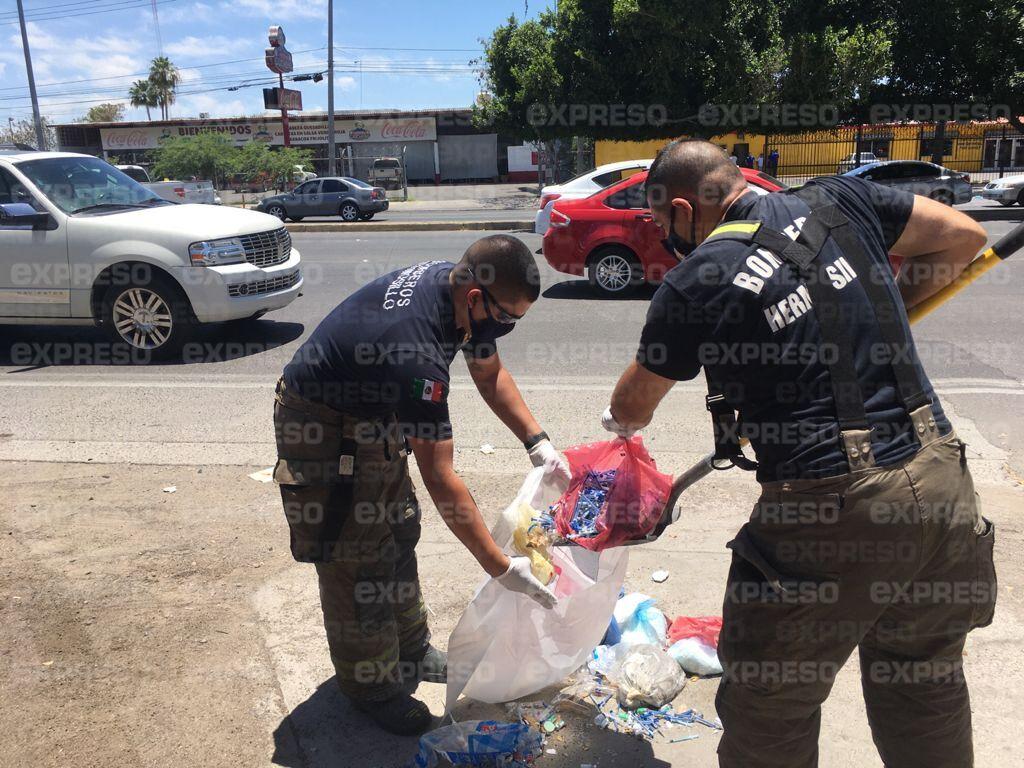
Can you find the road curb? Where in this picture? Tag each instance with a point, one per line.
(409, 226)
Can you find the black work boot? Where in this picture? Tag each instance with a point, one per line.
(401, 715)
(430, 667)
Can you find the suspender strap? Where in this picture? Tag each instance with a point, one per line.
(827, 220)
(846, 391)
(888, 315)
(728, 452)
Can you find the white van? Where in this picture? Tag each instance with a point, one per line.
(82, 243)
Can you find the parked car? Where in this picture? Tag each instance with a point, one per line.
(584, 185)
(386, 172)
(349, 198)
(174, 191)
(851, 161)
(612, 238)
(301, 174)
(240, 182)
(105, 250)
(1007, 190)
(926, 179)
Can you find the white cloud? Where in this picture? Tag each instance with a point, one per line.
(193, 13)
(213, 103)
(192, 47)
(279, 11)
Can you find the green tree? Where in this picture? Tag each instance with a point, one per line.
(24, 132)
(208, 156)
(164, 77)
(105, 113)
(143, 94)
(255, 160)
(677, 56)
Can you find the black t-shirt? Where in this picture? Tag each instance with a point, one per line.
(386, 349)
(747, 316)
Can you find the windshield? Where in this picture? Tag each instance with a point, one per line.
(76, 183)
(385, 164)
(358, 182)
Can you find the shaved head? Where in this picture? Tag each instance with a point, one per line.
(695, 170)
(502, 264)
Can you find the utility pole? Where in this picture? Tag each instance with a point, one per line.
(40, 135)
(332, 168)
(10, 127)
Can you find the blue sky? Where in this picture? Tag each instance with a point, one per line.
(411, 54)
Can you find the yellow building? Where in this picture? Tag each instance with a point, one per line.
(970, 147)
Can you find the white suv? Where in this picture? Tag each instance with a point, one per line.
(82, 243)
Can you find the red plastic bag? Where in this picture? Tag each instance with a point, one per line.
(633, 498)
(704, 628)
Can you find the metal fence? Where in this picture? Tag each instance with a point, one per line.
(983, 150)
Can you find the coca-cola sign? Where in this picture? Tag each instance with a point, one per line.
(407, 129)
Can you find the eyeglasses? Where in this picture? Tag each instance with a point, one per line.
(503, 315)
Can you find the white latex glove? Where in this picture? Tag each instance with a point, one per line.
(519, 578)
(544, 454)
(608, 422)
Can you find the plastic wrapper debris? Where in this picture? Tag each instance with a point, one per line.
(705, 628)
(616, 494)
(531, 540)
(483, 743)
(640, 621)
(695, 657)
(646, 676)
(506, 646)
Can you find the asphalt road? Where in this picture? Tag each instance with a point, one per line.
(567, 354)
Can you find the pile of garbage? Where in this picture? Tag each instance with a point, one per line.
(647, 658)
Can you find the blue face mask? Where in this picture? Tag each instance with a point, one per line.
(675, 244)
(490, 328)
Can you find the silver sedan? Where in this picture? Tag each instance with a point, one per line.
(1007, 190)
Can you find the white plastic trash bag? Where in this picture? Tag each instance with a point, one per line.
(696, 657)
(506, 645)
(640, 622)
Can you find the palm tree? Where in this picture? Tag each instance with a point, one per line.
(165, 78)
(142, 94)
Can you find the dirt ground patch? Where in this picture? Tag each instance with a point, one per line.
(145, 628)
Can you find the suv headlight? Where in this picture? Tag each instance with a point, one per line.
(215, 253)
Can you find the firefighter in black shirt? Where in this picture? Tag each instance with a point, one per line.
(867, 534)
(372, 379)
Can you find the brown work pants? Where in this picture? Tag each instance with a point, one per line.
(894, 561)
(351, 509)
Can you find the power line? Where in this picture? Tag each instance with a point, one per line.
(146, 74)
(440, 50)
(91, 13)
(224, 77)
(51, 8)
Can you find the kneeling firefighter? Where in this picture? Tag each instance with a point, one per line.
(370, 380)
(867, 533)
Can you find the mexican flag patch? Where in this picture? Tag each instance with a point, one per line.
(428, 389)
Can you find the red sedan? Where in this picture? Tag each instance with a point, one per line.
(612, 238)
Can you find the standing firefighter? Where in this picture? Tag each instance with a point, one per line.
(867, 532)
(372, 379)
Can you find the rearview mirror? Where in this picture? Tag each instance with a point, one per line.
(23, 214)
